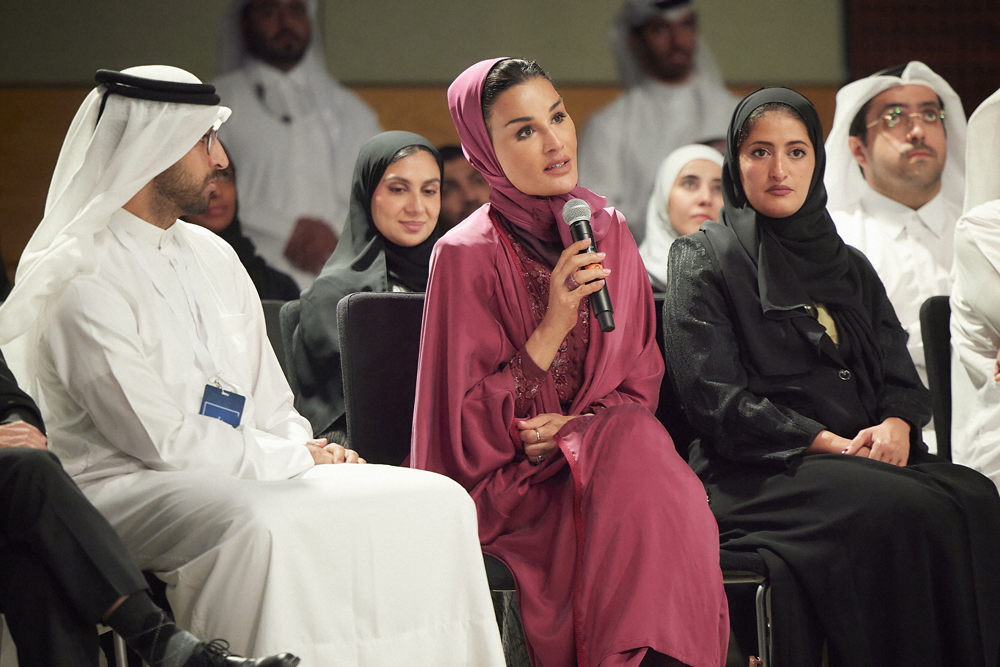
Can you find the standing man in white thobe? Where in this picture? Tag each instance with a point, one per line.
(295, 133)
(674, 95)
(143, 341)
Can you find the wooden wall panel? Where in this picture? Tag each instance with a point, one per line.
(33, 122)
(956, 38)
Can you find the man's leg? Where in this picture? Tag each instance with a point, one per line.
(43, 511)
(47, 629)
(87, 572)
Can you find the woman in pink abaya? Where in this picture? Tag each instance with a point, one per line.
(547, 420)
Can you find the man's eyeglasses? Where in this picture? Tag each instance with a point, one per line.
(899, 118)
(210, 138)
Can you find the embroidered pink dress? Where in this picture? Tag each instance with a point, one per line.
(611, 541)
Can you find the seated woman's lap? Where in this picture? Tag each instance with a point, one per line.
(627, 442)
(836, 519)
(818, 491)
(629, 468)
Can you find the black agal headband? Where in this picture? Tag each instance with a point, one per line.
(141, 88)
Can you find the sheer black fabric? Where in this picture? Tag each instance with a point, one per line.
(270, 283)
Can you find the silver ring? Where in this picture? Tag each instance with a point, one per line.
(538, 436)
(539, 459)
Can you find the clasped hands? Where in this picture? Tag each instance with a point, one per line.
(888, 442)
(329, 453)
(538, 435)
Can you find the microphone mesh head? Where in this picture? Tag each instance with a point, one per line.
(575, 209)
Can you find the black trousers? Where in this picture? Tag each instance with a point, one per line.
(62, 565)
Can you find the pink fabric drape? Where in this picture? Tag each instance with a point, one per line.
(611, 541)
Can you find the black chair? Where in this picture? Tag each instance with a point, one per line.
(380, 344)
(288, 316)
(272, 319)
(739, 568)
(935, 331)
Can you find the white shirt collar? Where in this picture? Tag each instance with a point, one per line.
(298, 74)
(664, 89)
(933, 214)
(144, 232)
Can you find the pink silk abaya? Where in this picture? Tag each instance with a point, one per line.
(611, 540)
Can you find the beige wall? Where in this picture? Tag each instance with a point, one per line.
(52, 42)
(415, 41)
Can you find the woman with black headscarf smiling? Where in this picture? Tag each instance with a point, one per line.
(386, 247)
(792, 366)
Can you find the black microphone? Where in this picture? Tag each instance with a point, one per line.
(576, 214)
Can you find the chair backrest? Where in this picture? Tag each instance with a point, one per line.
(288, 316)
(380, 346)
(669, 410)
(935, 331)
(272, 319)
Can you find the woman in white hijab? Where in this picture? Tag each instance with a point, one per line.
(975, 308)
(687, 192)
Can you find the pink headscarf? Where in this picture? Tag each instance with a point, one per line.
(539, 216)
(540, 519)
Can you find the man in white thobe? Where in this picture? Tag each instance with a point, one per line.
(294, 135)
(674, 95)
(975, 309)
(143, 340)
(894, 179)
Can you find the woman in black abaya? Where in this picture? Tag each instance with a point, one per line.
(793, 368)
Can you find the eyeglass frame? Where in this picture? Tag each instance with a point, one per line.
(211, 137)
(938, 115)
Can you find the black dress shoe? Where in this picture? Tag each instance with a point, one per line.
(216, 654)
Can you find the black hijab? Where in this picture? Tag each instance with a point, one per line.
(798, 261)
(364, 261)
